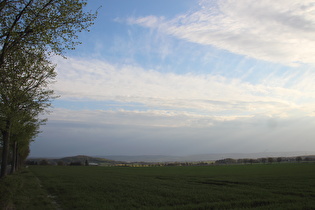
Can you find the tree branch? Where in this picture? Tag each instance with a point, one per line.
(8, 34)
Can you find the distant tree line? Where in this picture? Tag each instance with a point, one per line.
(265, 160)
(225, 161)
(45, 162)
(31, 31)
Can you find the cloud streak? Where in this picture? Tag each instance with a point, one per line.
(206, 94)
(277, 31)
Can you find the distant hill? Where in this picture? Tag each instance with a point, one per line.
(76, 159)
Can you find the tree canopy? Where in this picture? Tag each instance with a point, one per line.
(24, 94)
(30, 31)
(51, 25)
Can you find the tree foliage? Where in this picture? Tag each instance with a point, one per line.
(30, 31)
(24, 94)
(50, 25)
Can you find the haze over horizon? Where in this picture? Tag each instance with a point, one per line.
(186, 77)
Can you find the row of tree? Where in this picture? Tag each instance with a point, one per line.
(31, 31)
(265, 160)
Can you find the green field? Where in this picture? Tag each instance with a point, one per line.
(257, 186)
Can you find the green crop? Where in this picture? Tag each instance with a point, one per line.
(257, 186)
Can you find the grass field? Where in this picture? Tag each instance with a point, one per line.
(23, 191)
(261, 186)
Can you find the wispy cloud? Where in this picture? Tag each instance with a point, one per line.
(280, 31)
(207, 94)
(148, 118)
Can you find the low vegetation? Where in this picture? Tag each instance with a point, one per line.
(251, 186)
(23, 190)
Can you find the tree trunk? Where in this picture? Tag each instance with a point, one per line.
(13, 164)
(17, 167)
(19, 162)
(5, 149)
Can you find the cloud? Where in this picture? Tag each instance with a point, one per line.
(87, 132)
(150, 112)
(280, 31)
(180, 101)
(204, 94)
(152, 118)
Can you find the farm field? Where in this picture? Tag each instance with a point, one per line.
(260, 186)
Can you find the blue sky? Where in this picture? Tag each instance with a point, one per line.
(186, 77)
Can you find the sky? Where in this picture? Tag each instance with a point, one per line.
(186, 77)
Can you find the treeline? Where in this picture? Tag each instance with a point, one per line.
(75, 161)
(31, 31)
(79, 160)
(266, 160)
(225, 161)
(45, 162)
(53, 162)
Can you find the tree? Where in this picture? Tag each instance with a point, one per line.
(86, 162)
(263, 160)
(23, 133)
(49, 25)
(298, 159)
(270, 160)
(24, 93)
(30, 30)
(44, 162)
(60, 163)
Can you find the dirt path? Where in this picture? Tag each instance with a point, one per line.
(52, 198)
